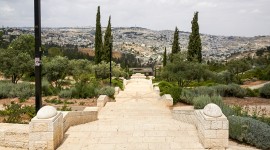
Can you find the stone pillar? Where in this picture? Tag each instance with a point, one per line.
(212, 127)
(46, 129)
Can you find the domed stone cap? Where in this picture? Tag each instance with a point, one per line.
(212, 110)
(46, 112)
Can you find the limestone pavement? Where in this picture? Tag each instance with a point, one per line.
(137, 120)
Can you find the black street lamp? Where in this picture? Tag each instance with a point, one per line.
(38, 95)
(110, 62)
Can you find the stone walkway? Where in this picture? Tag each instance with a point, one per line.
(137, 120)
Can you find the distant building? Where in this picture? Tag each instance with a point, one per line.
(145, 71)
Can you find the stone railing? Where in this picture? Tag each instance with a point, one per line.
(213, 127)
(47, 129)
(116, 91)
(14, 135)
(184, 114)
(157, 90)
(167, 99)
(102, 100)
(211, 123)
(72, 118)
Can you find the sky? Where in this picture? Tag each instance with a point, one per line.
(216, 17)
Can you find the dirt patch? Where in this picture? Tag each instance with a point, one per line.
(31, 101)
(253, 105)
(252, 83)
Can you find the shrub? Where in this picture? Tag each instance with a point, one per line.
(252, 93)
(164, 87)
(47, 88)
(201, 101)
(187, 96)
(118, 83)
(204, 91)
(84, 90)
(65, 93)
(175, 93)
(5, 89)
(249, 130)
(231, 90)
(109, 91)
(54, 101)
(265, 91)
(20, 90)
(23, 90)
(14, 112)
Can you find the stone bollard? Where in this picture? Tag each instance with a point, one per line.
(167, 99)
(212, 127)
(46, 129)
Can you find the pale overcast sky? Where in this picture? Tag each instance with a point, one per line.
(217, 17)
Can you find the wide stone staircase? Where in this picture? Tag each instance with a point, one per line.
(136, 121)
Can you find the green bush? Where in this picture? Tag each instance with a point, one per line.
(118, 83)
(231, 90)
(187, 96)
(204, 91)
(164, 87)
(252, 93)
(250, 131)
(175, 93)
(47, 88)
(20, 90)
(67, 93)
(5, 88)
(109, 91)
(23, 90)
(201, 101)
(84, 90)
(14, 112)
(265, 91)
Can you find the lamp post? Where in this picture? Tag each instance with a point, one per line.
(110, 62)
(37, 14)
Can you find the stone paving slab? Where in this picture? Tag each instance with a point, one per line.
(136, 121)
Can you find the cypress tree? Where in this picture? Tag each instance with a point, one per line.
(165, 58)
(98, 38)
(175, 45)
(108, 43)
(195, 45)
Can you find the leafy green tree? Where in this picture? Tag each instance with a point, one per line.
(165, 58)
(54, 51)
(14, 64)
(108, 43)
(56, 69)
(102, 70)
(98, 38)
(3, 43)
(238, 66)
(181, 71)
(195, 45)
(79, 68)
(175, 44)
(24, 43)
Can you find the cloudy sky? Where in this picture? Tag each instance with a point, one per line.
(217, 17)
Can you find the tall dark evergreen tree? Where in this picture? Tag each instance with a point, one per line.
(108, 43)
(165, 58)
(195, 45)
(98, 39)
(175, 44)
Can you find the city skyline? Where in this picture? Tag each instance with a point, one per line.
(216, 17)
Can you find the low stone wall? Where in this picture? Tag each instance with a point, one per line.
(157, 90)
(71, 118)
(213, 131)
(184, 114)
(14, 135)
(167, 100)
(116, 90)
(102, 100)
